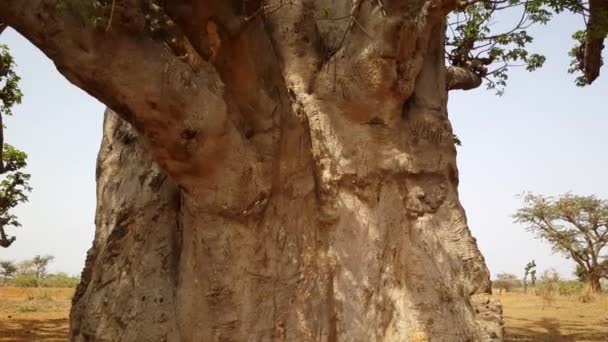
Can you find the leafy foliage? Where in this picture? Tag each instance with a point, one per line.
(34, 273)
(25, 280)
(10, 93)
(576, 226)
(472, 42)
(61, 280)
(41, 264)
(530, 270)
(570, 287)
(14, 184)
(13, 190)
(7, 269)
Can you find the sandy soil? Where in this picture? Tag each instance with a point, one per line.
(31, 314)
(42, 315)
(566, 320)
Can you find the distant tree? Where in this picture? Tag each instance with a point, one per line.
(549, 286)
(41, 264)
(576, 226)
(25, 267)
(506, 282)
(7, 269)
(13, 181)
(61, 280)
(530, 270)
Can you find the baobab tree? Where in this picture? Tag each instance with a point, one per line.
(280, 170)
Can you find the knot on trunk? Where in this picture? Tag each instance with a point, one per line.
(462, 78)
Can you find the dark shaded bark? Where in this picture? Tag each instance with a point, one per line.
(459, 78)
(594, 281)
(597, 29)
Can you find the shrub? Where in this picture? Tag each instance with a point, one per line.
(506, 281)
(61, 280)
(25, 281)
(549, 287)
(570, 287)
(28, 307)
(56, 280)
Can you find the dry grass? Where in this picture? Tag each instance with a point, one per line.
(42, 315)
(566, 320)
(34, 314)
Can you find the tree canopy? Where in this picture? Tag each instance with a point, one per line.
(41, 264)
(14, 182)
(7, 269)
(506, 282)
(576, 226)
(488, 53)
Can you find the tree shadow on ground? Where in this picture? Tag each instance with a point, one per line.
(550, 330)
(47, 330)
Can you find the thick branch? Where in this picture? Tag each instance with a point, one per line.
(5, 241)
(462, 78)
(597, 29)
(166, 97)
(586, 234)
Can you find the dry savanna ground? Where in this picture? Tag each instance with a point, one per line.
(567, 319)
(41, 314)
(34, 314)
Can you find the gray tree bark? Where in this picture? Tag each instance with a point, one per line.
(274, 171)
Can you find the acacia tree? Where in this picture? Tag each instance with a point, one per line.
(576, 226)
(41, 265)
(275, 170)
(506, 281)
(7, 269)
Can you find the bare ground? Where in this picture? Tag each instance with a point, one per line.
(42, 315)
(34, 314)
(566, 320)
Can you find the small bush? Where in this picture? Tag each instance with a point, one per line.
(25, 281)
(56, 280)
(548, 287)
(28, 307)
(61, 280)
(570, 287)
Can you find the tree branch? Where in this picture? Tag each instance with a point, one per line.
(462, 78)
(597, 29)
(164, 96)
(586, 233)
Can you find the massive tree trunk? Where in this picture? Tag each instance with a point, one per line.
(275, 171)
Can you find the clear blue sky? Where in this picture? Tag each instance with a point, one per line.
(544, 135)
